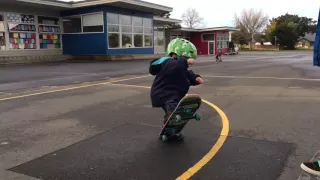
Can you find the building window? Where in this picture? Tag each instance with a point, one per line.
(92, 22)
(2, 33)
(158, 36)
(138, 31)
(22, 31)
(1, 17)
(155, 35)
(2, 39)
(208, 37)
(113, 30)
(72, 24)
(49, 20)
(222, 40)
(49, 32)
(85, 23)
(183, 36)
(148, 32)
(172, 37)
(126, 31)
(129, 31)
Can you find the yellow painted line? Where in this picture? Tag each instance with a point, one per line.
(71, 88)
(129, 85)
(257, 77)
(191, 171)
(215, 148)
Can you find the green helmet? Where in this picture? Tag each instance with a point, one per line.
(182, 47)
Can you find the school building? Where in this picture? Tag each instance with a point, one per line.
(50, 30)
(208, 40)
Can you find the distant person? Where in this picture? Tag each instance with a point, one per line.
(218, 56)
(172, 77)
(311, 167)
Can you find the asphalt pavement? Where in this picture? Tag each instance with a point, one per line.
(93, 120)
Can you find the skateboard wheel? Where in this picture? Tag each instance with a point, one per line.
(178, 118)
(164, 138)
(197, 117)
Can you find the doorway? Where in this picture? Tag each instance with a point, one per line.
(211, 48)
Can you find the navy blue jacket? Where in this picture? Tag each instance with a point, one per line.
(172, 79)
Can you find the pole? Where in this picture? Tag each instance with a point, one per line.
(316, 53)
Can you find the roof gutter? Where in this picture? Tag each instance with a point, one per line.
(48, 3)
(98, 2)
(132, 2)
(169, 20)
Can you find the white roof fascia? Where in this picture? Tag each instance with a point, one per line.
(170, 20)
(48, 3)
(133, 2)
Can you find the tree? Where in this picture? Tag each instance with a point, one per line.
(289, 28)
(169, 26)
(165, 15)
(251, 24)
(261, 38)
(240, 38)
(192, 19)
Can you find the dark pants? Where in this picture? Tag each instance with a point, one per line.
(169, 107)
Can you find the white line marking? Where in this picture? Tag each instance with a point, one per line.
(252, 77)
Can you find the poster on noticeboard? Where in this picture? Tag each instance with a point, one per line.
(2, 29)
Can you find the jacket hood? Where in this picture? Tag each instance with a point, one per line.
(155, 65)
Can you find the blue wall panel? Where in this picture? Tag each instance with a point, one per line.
(84, 44)
(131, 51)
(316, 56)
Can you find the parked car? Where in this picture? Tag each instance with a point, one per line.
(233, 50)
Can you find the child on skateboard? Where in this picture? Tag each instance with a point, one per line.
(172, 77)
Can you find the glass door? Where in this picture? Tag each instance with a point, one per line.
(211, 47)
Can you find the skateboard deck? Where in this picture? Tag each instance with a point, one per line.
(183, 113)
(306, 176)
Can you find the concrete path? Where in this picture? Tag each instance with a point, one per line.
(94, 121)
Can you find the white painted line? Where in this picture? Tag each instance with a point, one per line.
(253, 77)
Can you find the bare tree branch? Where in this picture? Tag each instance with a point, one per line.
(192, 19)
(251, 23)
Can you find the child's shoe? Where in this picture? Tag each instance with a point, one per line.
(165, 118)
(311, 167)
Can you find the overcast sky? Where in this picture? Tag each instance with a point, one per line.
(220, 13)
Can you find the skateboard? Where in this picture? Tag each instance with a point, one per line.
(306, 176)
(183, 113)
